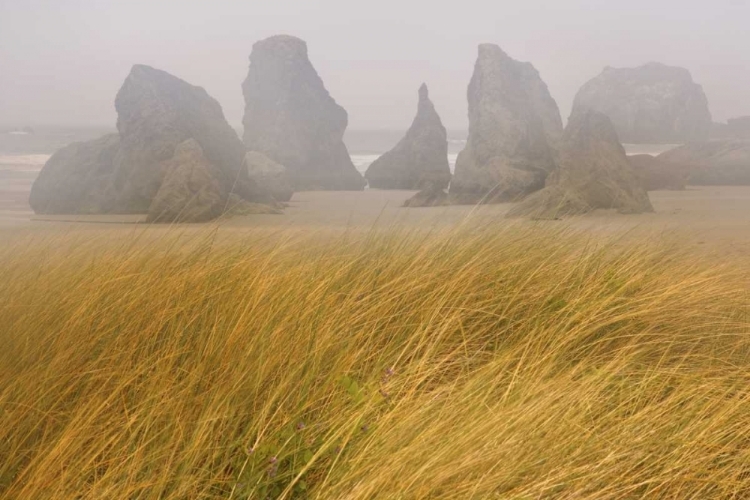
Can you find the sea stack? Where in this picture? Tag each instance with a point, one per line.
(650, 104)
(155, 113)
(420, 159)
(291, 118)
(593, 173)
(162, 121)
(514, 126)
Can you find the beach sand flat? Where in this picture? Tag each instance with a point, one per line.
(716, 217)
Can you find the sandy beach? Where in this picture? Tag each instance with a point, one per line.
(709, 216)
(717, 217)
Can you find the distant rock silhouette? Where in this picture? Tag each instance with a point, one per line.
(514, 125)
(157, 112)
(291, 118)
(593, 173)
(658, 175)
(270, 177)
(720, 162)
(735, 128)
(654, 103)
(420, 159)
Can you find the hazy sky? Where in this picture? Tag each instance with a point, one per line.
(62, 61)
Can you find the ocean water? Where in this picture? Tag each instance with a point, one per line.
(23, 162)
(17, 174)
(362, 161)
(647, 149)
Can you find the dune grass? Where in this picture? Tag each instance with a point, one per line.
(498, 363)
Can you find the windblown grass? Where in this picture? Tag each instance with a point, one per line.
(502, 363)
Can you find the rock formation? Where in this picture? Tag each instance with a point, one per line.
(269, 176)
(77, 179)
(720, 162)
(431, 196)
(593, 173)
(735, 128)
(514, 125)
(739, 128)
(654, 104)
(291, 118)
(157, 112)
(420, 159)
(190, 189)
(656, 174)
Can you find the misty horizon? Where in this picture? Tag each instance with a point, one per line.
(64, 62)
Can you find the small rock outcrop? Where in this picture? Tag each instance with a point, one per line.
(593, 173)
(514, 126)
(713, 163)
(269, 176)
(650, 104)
(190, 189)
(431, 196)
(162, 121)
(658, 175)
(420, 159)
(291, 118)
(77, 179)
(735, 128)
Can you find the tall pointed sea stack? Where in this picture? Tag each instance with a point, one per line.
(514, 125)
(420, 159)
(291, 118)
(593, 173)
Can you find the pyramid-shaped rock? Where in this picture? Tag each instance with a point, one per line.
(593, 173)
(420, 159)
